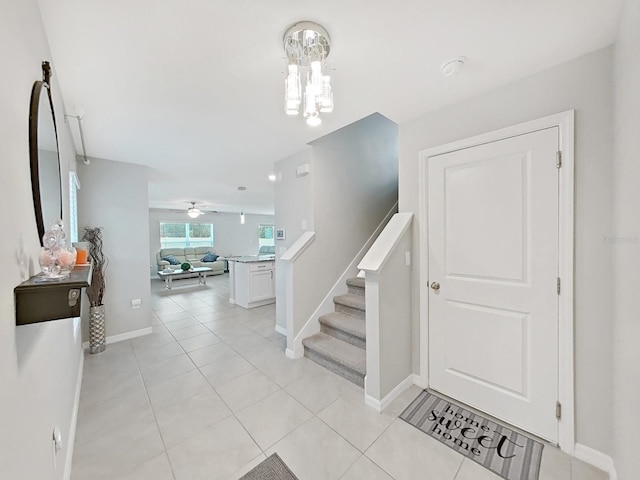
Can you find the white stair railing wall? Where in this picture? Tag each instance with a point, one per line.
(387, 267)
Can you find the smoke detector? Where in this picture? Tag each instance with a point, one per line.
(453, 66)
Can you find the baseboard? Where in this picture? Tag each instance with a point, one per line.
(380, 405)
(281, 330)
(71, 439)
(419, 381)
(124, 336)
(292, 354)
(596, 458)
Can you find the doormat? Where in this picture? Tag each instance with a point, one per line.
(505, 452)
(273, 468)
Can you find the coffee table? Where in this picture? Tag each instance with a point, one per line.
(169, 276)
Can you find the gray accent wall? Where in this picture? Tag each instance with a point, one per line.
(39, 363)
(114, 196)
(583, 84)
(625, 246)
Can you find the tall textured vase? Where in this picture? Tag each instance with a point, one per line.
(97, 339)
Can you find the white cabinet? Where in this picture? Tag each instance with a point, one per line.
(252, 283)
(261, 285)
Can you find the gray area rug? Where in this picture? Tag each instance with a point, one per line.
(273, 468)
(505, 452)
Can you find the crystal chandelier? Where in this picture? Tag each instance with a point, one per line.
(307, 46)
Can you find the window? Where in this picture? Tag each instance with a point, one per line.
(180, 235)
(265, 235)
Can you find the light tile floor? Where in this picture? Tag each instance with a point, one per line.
(210, 394)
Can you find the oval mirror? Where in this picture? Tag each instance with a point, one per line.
(46, 184)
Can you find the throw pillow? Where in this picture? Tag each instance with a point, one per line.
(171, 259)
(209, 257)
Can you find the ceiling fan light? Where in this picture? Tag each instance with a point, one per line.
(194, 212)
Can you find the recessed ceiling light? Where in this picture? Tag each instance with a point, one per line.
(242, 188)
(272, 177)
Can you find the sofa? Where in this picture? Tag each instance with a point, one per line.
(193, 255)
(267, 250)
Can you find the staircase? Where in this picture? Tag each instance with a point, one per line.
(340, 344)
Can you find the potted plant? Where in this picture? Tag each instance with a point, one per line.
(95, 291)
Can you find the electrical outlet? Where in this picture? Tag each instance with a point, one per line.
(407, 258)
(135, 303)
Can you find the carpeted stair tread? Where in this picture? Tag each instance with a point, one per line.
(356, 282)
(347, 323)
(340, 352)
(350, 300)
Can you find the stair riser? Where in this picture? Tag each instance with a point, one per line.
(356, 312)
(329, 364)
(355, 290)
(344, 336)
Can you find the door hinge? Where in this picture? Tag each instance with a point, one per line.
(558, 410)
(558, 159)
(558, 285)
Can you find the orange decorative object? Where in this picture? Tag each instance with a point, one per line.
(82, 256)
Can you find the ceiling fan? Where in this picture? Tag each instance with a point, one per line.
(193, 211)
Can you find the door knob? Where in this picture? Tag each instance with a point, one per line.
(435, 286)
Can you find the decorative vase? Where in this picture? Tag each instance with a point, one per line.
(56, 258)
(186, 266)
(97, 340)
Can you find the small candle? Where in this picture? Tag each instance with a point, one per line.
(82, 256)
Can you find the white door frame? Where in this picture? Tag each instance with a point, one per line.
(565, 123)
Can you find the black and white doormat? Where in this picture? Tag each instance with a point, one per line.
(505, 452)
(273, 468)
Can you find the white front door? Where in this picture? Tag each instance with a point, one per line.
(493, 268)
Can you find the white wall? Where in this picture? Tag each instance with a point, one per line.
(626, 249)
(114, 196)
(39, 364)
(388, 305)
(230, 236)
(293, 205)
(354, 185)
(584, 84)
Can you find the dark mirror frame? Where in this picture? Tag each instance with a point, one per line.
(38, 88)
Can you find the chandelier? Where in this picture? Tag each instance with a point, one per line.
(307, 46)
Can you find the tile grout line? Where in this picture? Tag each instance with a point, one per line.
(155, 418)
(233, 413)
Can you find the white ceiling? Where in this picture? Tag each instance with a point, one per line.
(194, 88)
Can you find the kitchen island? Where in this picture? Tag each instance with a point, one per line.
(252, 280)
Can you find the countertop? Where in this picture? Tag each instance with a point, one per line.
(252, 258)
